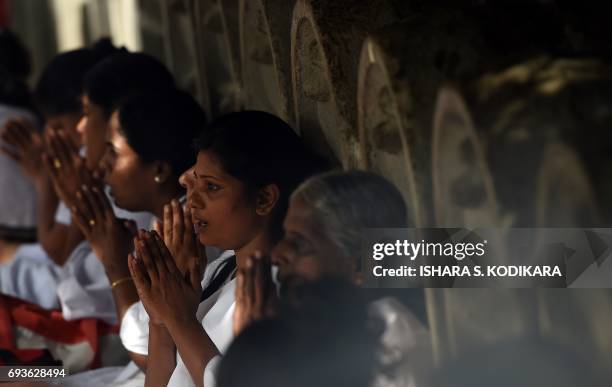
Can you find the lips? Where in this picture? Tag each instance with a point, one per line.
(199, 224)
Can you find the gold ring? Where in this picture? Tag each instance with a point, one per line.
(57, 164)
(92, 222)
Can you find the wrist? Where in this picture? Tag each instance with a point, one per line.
(183, 325)
(41, 183)
(116, 273)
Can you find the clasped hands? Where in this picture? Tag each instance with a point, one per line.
(167, 268)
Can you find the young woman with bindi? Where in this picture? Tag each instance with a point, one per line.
(248, 163)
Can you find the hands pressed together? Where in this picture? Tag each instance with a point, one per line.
(170, 296)
(256, 296)
(168, 262)
(167, 268)
(53, 154)
(24, 144)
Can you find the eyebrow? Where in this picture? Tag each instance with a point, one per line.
(205, 176)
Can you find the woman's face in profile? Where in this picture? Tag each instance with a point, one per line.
(305, 252)
(93, 131)
(131, 181)
(221, 209)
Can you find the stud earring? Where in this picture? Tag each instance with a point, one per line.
(157, 179)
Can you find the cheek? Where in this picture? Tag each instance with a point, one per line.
(231, 224)
(94, 139)
(309, 268)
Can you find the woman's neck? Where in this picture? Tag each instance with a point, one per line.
(261, 243)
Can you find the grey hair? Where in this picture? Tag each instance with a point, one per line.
(346, 203)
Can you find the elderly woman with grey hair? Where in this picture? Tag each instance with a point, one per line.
(327, 216)
(323, 232)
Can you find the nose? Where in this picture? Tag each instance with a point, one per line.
(185, 179)
(80, 128)
(281, 254)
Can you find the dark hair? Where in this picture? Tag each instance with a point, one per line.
(15, 92)
(322, 340)
(123, 75)
(162, 126)
(258, 149)
(14, 56)
(60, 85)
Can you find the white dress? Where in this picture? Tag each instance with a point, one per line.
(135, 334)
(80, 287)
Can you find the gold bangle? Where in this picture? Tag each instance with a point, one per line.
(120, 281)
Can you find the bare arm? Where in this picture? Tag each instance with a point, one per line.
(51, 235)
(195, 347)
(162, 358)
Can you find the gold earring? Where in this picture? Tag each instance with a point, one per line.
(157, 179)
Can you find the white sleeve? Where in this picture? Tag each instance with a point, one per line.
(134, 330)
(211, 370)
(62, 214)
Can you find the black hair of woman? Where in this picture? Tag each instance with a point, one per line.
(60, 86)
(14, 56)
(259, 148)
(122, 75)
(162, 126)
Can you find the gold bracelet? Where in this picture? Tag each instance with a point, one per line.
(120, 281)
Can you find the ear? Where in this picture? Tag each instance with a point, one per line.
(267, 197)
(162, 172)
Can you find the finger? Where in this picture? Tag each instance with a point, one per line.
(259, 286)
(195, 276)
(102, 203)
(167, 224)
(18, 136)
(240, 287)
(68, 142)
(145, 255)
(92, 201)
(64, 147)
(248, 283)
(177, 222)
(137, 271)
(157, 256)
(164, 253)
(82, 172)
(84, 207)
(46, 160)
(158, 227)
(131, 226)
(81, 222)
(10, 153)
(9, 136)
(54, 147)
(189, 231)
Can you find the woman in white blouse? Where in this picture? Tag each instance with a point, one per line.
(248, 163)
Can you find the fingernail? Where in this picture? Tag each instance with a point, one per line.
(78, 194)
(84, 187)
